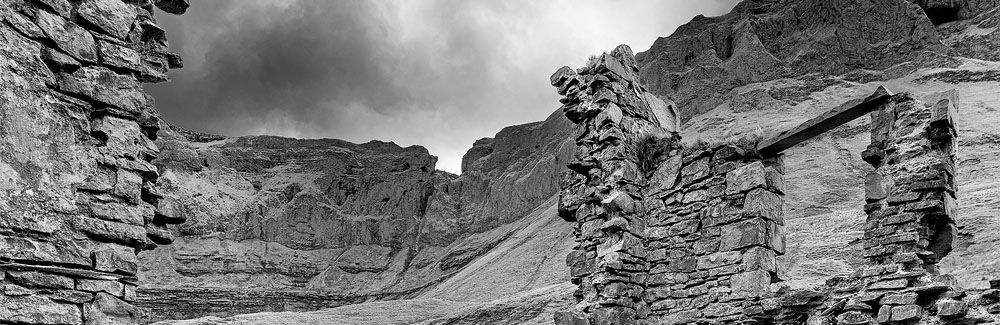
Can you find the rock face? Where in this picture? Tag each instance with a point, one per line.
(763, 40)
(80, 196)
(344, 221)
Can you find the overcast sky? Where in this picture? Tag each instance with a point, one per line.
(440, 74)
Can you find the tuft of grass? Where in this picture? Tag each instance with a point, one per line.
(650, 149)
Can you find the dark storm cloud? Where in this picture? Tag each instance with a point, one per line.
(439, 73)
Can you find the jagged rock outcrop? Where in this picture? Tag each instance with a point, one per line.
(347, 221)
(80, 197)
(764, 40)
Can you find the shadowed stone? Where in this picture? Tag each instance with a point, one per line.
(68, 36)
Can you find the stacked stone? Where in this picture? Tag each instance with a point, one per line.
(910, 204)
(81, 196)
(911, 220)
(696, 241)
(715, 225)
(603, 194)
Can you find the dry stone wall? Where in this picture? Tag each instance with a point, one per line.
(79, 197)
(692, 235)
(694, 239)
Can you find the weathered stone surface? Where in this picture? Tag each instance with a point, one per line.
(751, 284)
(948, 308)
(743, 234)
(107, 309)
(40, 280)
(32, 309)
(114, 288)
(114, 258)
(906, 312)
(745, 178)
(176, 7)
(899, 299)
(69, 37)
(107, 87)
(111, 16)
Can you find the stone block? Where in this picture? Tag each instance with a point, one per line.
(908, 298)
(107, 309)
(763, 203)
(67, 36)
(949, 308)
(623, 242)
(115, 258)
(776, 237)
(115, 55)
(775, 180)
(118, 212)
(613, 316)
(751, 284)
(695, 171)
(33, 279)
(746, 233)
(61, 7)
(561, 75)
(685, 227)
(906, 313)
(687, 264)
(573, 317)
(884, 314)
(619, 201)
(103, 85)
(580, 264)
(131, 235)
(665, 176)
(719, 259)
(36, 309)
(877, 186)
(854, 317)
(722, 309)
(114, 17)
(111, 287)
(745, 178)
(760, 258)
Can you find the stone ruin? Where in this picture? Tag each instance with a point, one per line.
(667, 234)
(79, 197)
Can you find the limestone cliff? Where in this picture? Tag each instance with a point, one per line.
(346, 221)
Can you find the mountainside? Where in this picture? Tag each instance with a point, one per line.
(763, 68)
(332, 221)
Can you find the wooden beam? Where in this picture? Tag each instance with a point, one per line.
(844, 113)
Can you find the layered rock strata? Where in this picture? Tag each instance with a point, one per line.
(80, 196)
(763, 40)
(335, 221)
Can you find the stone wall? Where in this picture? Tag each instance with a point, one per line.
(691, 237)
(79, 197)
(667, 234)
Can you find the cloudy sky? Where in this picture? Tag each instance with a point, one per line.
(437, 73)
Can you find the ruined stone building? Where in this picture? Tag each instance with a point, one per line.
(675, 234)
(79, 196)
